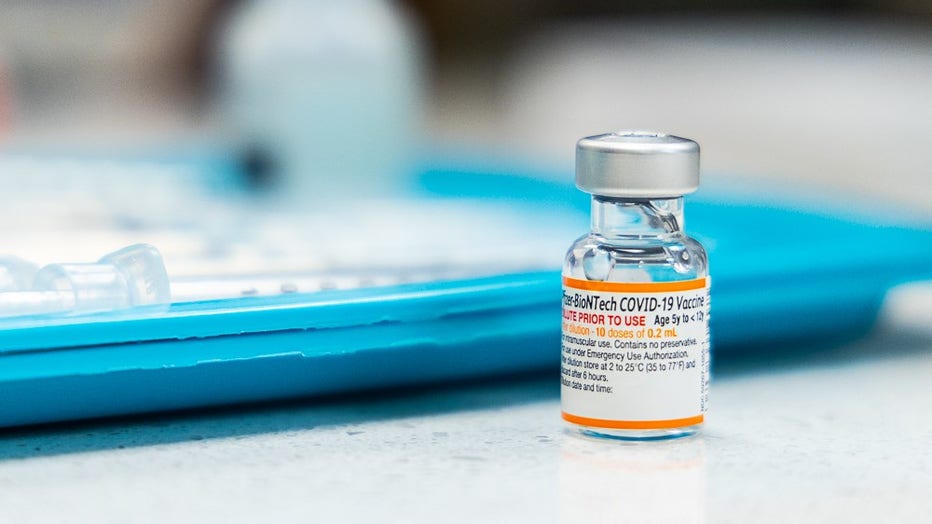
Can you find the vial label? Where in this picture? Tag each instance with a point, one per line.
(635, 355)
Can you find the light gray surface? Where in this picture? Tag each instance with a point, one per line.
(799, 436)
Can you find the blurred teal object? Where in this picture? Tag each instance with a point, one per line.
(781, 277)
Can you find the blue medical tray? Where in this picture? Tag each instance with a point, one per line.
(782, 273)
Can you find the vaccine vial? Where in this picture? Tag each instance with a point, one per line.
(635, 329)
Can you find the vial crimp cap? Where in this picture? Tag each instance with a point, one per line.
(637, 164)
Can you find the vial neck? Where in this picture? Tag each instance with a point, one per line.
(636, 218)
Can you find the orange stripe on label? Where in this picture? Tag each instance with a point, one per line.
(633, 424)
(635, 287)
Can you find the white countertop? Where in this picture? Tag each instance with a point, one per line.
(793, 436)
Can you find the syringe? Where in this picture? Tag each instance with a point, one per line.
(136, 276)
(132, 276)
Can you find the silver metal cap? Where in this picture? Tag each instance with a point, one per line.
(637, 164)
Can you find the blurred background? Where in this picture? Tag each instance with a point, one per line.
(319, 103)
(832, 93)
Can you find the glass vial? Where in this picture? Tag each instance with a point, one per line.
(635, 335)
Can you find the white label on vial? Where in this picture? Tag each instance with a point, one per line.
(635, 355)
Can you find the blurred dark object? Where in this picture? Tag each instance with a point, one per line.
(98, 62)
(259, 167)
(484, 27)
